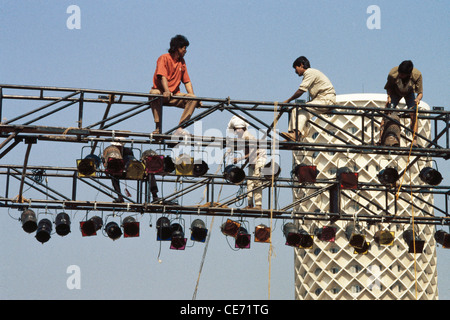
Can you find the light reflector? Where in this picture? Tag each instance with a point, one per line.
(44, 230)
(29, 221)
(62, 223)
(234, 174)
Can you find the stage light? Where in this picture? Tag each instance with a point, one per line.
(130, 227)
(262, 233)
(230, 228)
(62, 223)
(88, 166)
(326, 233)
(305, 173)
(413, 241)
(113, 230)
(430, 176)
(443, 238)
(113, 161)
(388, 176)
(134, 169)
(198, 230)
(200, 169)
(242, 239)
(391, 131)
(354, 236)
(347, 179)
(169, 165)
(184, 165)
(29, 221)
(153, 162)
(91, 226)
(268, 170)
(178, 241)
(384, 237)
(292, 235)
(163, 229)
(306, 240)
(44, 230)
(234, 174)
(364, 249)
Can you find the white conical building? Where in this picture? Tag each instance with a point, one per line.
(332, 269)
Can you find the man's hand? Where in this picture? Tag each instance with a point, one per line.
(167, 95)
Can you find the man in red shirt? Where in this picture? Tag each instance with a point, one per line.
(170, 72)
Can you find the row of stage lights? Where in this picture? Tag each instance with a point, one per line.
(151, 163)
(129, 228)
(127, 166)
(168, 230)
(298, 237)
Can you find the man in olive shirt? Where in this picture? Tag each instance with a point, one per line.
(321, 92)
(405, 81)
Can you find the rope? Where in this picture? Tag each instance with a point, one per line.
(414, 246)
(270, 253)
(412, 199)
(410, 150)
(194, 296)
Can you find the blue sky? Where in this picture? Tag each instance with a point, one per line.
(239, 49)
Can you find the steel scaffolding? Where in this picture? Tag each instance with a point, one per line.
(25, 125)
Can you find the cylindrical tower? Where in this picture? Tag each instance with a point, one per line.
(332, 268)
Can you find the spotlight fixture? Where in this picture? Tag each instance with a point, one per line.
(430, 176)
(153, 162)
(414, 243)
(169, 165)
(91, 226)
(200, 169)
(242, 239)
(178, 241)
(88, 166)
(443, 238)
(364, 249)
(134, 168)
(388, 176)
(306, 240)
(113, 230)
(130, 227)
(347, 179)
(113, 161)
(326, 233)
(234, 174)
(384, 237)
(292, 235)
(198, 231)
(262, 233)
(391, 131)
(44, 230)
(184, 165)
(62, 223)
(29, 221)
(354, 236)
(163, 229)
(305, 173)
(268, 170)
(230, 228)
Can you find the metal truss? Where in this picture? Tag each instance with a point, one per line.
(31, 126)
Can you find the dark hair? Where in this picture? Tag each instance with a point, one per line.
(301, 61)
(177, 42)
(406, 67)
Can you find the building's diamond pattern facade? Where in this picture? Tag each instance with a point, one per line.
(332, 270)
